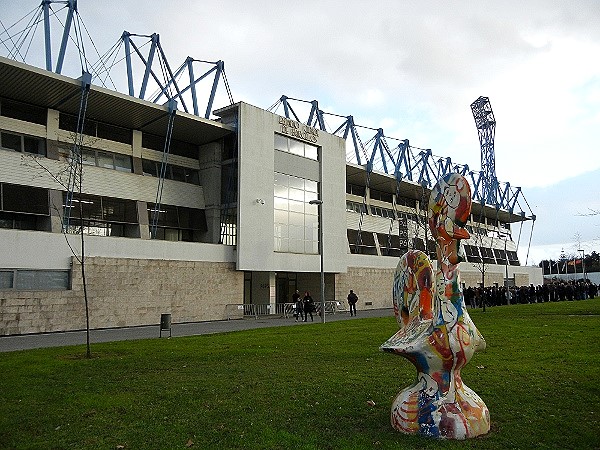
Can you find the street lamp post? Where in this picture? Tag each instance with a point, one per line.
(320, 211)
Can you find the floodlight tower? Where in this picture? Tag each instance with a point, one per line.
(486, 128)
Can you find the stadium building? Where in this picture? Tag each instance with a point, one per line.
(223, 223)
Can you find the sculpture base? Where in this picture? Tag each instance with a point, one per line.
(415, 412)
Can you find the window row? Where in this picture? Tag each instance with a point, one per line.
(107, 160)
(177, 217)
(488, 255)
(180, 148)
(379, 211)
(22, 143)
(172, 172)
(34, 280)
(382, 212)
(93, 128)
(101, 209)
(23, 111)
(374, 194)
(296, 221)
(366, 242)
(387, 197)
(289, 145)
(105, 216)
(24, 199)
(355, 207)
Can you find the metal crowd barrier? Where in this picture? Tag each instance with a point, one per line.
(240, 311)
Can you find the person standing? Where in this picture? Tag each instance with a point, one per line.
(352, 299)
(298, 305)
(309, 306)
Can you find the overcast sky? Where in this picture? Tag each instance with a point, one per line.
(412, 68)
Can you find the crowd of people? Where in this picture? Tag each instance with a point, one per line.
(557, 290)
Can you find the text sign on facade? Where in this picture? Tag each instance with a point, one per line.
(298, 130)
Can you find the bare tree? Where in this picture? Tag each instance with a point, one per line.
(69, 177)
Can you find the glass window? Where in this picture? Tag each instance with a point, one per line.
(88, 156)
(296, 232)
(296, 246)
(11, 141)
(149, 168)
(311, 231)
(192, 176)
(123, 163)
(296, 194)
(6, 279)
(177, 222)
(311, 247)
(281, 143)
(282, 245)
(23, 111)
(311, 186)
(296, 206)
(104, 159)
(42, 280)
(295, 182)
(281, 203)
(25, 199)
(178, 173)
(355, 189)
(294, 217)
(311, 151)
(34, 145)
(21, 143)
(281, 217)
(281, 179)
(281, 231)
(311, 210)
(114, 133)
(280, 191)
(296, 147)
(286, 144)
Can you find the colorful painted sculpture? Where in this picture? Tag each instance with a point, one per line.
(436, 332)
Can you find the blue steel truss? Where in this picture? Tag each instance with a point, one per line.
(19, 41)
(405, 162)
(180, 86)
(168, 81)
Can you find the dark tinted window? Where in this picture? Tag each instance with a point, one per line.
(23, 111)
(25, 199)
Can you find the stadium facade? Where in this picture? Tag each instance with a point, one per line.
(233, 231)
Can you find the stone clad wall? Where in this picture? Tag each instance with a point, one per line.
(126, 292)
(473, 278)
(370, 284)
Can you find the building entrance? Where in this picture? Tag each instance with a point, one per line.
(286, 285)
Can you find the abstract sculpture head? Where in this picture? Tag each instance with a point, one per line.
(436, 332)
(449, 207)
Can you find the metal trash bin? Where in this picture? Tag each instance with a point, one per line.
(165, 324)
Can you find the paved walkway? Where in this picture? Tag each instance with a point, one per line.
(60, 339)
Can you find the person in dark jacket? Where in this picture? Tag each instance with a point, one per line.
(309, 306)
(352, 299)
(298, 306)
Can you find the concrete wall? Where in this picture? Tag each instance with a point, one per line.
(38, 250)
(255, 243)
(126, 292)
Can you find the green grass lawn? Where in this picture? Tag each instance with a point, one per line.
(303, 387)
